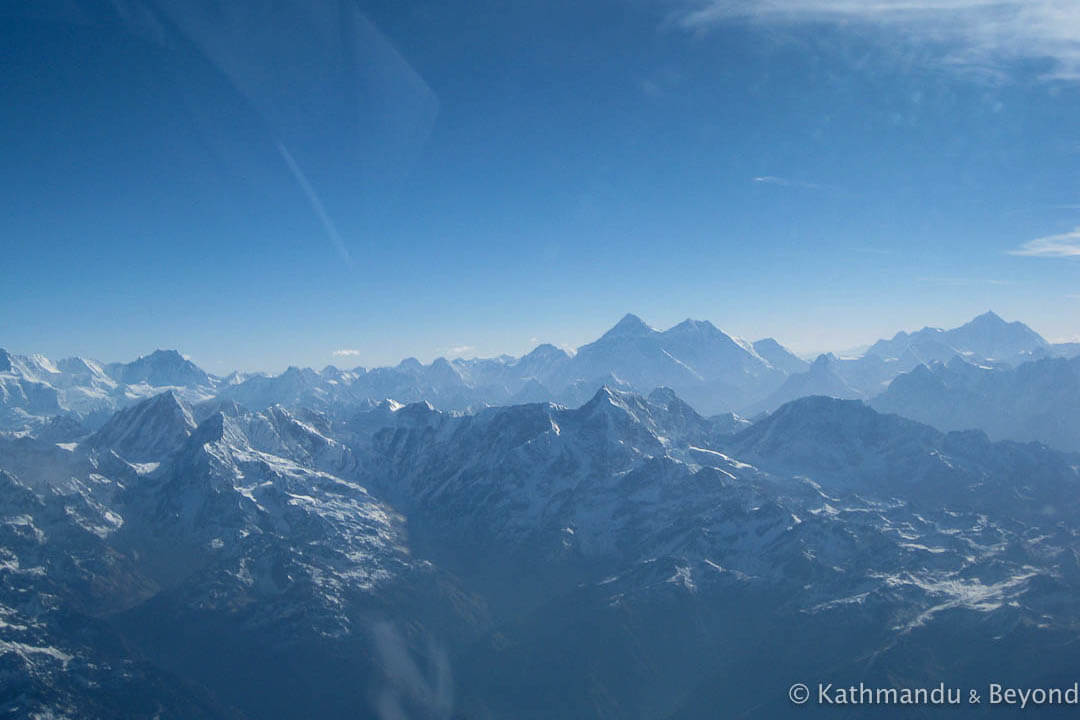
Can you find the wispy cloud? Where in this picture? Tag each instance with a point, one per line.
(785, 182)
(1056, 246)
(459, 350)
(975, 33)
(347, 353)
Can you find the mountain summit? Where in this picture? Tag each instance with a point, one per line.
(986, 337)
(148, 430)
(630, 326)
(161, 368)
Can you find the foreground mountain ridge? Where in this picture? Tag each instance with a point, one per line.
(630, 546)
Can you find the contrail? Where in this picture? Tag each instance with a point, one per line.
(316, 203)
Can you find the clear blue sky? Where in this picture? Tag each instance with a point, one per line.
(401, 178)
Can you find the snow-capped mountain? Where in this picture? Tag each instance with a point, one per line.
(148, 430)
(985, 340)
(715, 371)
(60, 659)
(33, 389)
(823, 377)
(449, 560)
(709, 369)
(712, 370)
(23, 395)
(445, 529)
(699, 361)
(1038, 400)
(237, 523)
(779, 356)
(161, 368)
(626, 508)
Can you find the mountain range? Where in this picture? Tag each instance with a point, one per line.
(1036, 401)
(715, 372)
(556, 535)
(611, 560)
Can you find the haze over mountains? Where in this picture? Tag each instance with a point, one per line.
(711, 370)
(556, 535)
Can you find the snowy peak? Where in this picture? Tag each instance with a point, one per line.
(990, 337)
(988, 318)
(300, 375)
(161, 368)
(544, 352)
(34, 368)
(696, 336)
(607, 400)
(711, 369)
(442, 372)
(986, 337)
(821, 379)
(630, 326)
(219, 431)
(689, 326)
(669, 403)
(79, 366)
(779, 356)
(1035, 401)
(697, 339)
(663, 420)
(806, 419)
(829, 435)
(147, 431)
(410, 365)
(542, 362)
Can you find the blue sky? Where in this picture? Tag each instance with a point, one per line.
(427, 179)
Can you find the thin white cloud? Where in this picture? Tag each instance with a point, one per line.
(772, 180)
(347, 353)
(1056, 246)
(973, 33)
(777, 181)
(785, 182)
(459, 350)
